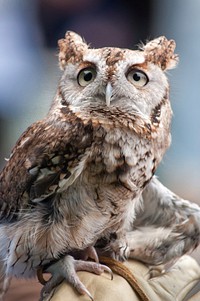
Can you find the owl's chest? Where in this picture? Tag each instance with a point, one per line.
(124, 157)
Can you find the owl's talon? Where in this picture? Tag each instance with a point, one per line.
(156, 271)
(107, 269)
(66, 268)
(86, 292)
(90, 252)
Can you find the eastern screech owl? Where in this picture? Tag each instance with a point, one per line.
(78, 175)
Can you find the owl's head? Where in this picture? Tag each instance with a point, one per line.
(113, 78)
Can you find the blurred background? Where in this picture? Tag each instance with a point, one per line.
(29, 72)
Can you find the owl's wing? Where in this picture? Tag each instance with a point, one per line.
(46, 159)
(166, 228)
(162, 207)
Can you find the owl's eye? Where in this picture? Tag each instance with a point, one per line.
(137, 78)
(86, 76)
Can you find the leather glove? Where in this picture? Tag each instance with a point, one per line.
(172, 285)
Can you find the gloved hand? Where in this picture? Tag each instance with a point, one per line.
(172, 285)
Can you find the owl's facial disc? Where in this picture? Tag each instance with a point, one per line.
(109, 91)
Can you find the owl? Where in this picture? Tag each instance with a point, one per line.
(80, 174)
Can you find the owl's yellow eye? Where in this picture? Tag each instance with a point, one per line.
(86, 76)
(137, 78)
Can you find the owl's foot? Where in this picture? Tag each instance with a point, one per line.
(90, 252)
(156, 271)
(66, 268)
(86, 254)
(119, 249)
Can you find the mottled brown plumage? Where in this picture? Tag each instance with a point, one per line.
(77, 176)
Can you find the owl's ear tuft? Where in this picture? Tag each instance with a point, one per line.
(71, 49)
(161, 52)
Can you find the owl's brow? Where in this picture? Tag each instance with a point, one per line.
(139, 66)
(86, 64)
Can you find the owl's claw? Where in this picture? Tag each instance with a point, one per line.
(90, 252)
(66, 268)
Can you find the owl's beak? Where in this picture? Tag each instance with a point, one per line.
(109, 90)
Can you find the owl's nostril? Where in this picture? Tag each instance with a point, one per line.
(109, 90)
